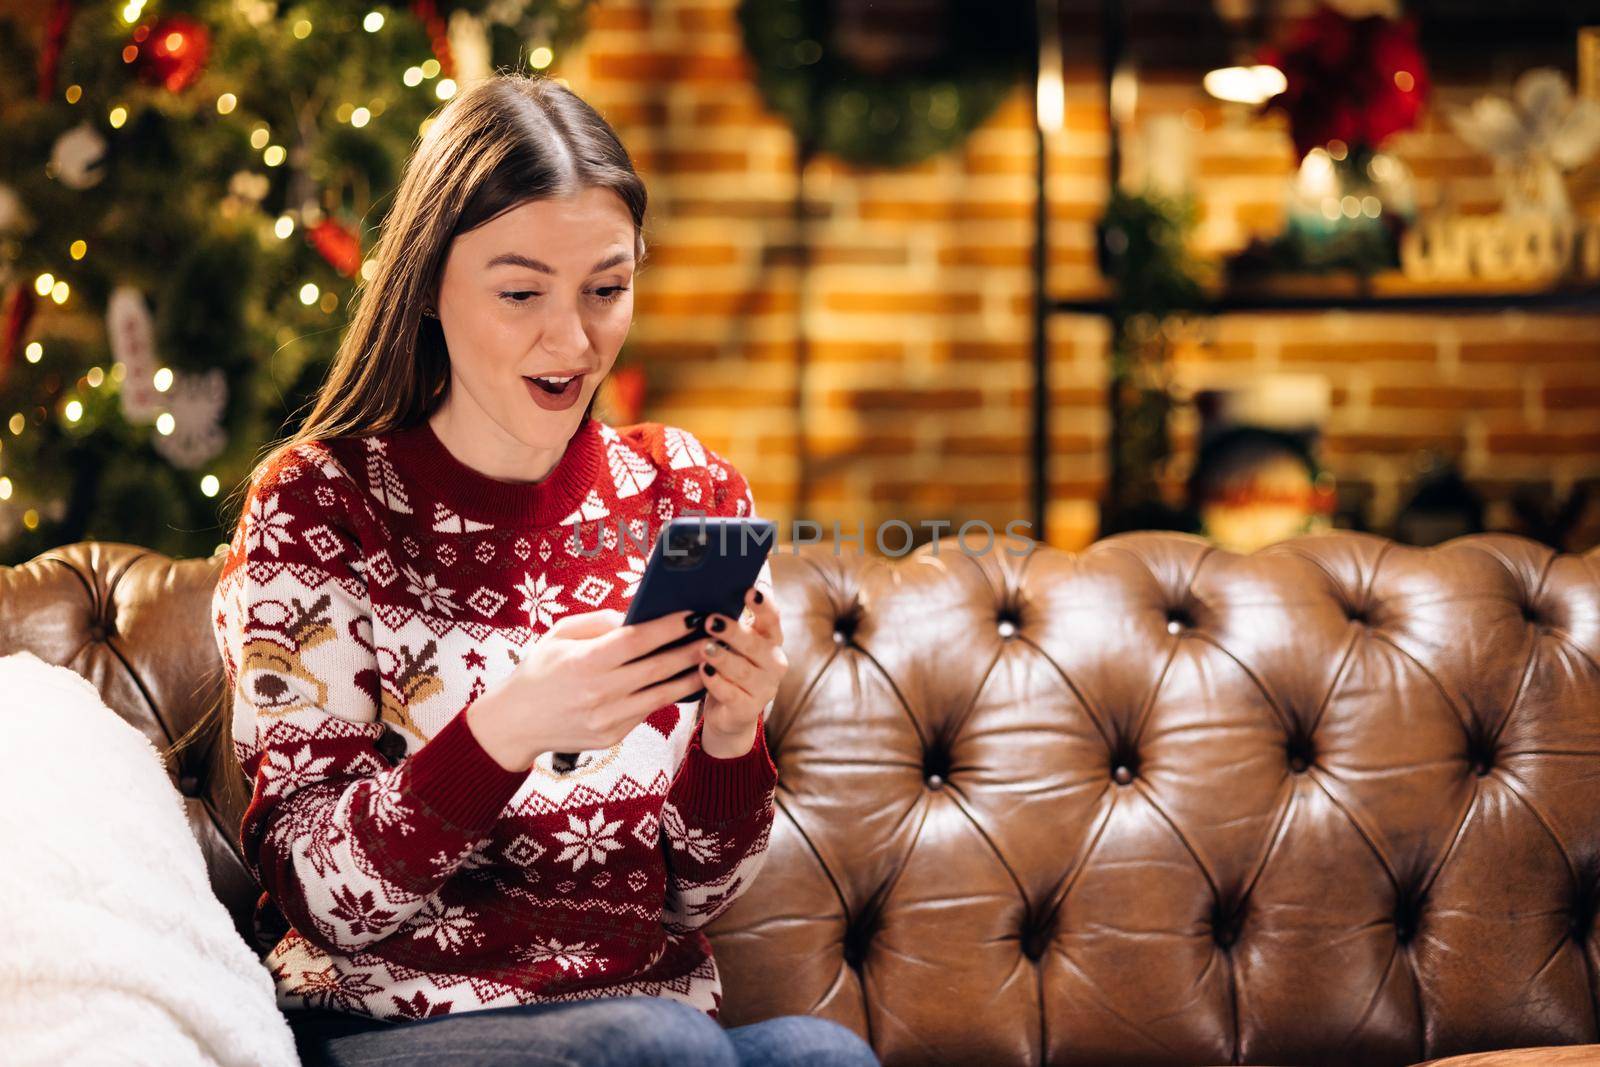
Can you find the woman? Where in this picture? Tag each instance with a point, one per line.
(422, 603)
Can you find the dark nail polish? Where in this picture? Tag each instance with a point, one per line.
(693, 620)
(718, 625)
(759, 597)
(710, 669)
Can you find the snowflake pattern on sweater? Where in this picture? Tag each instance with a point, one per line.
(375, 588)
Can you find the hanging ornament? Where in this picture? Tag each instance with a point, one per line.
(427, 12)
(172, 52)
(13, 216)
(257, 12)
(336, 244)
(195, 402)
(469, 44)
(19, 312)
(246, 190)
(132, 333)
(78, 157)
(55, 39)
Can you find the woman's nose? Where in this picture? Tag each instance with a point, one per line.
(564, 333)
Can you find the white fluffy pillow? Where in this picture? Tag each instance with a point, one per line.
(112, 946)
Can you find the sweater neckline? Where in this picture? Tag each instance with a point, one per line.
(479, 496)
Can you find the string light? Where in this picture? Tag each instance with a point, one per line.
(302, 29)
(5, 488)
(412, 77)
(30, 519)
(445, 89)
(131, 12)
(74, 93)
(96, 377)
(283, 227)
(165, 423)
(226, 103)
(373, 22)
(17, 424)
(360, 117)
(430, 68)
(259, 137)
(162, 379)
(43, 284)
(118, 116)
(59, 292)
(74, 410)
(34, 352)
(209, 485)
(79, 249)
(273, 155)
(541, 58)
(309, 293)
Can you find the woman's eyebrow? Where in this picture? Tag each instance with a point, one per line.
(517, 259)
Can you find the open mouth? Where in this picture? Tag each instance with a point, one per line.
(555, 386)
(554, 392)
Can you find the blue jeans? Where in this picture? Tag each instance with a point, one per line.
(631, 1031)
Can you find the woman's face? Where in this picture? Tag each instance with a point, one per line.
(545, 288)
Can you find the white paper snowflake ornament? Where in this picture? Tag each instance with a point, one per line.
(196, 402)
(77, 159)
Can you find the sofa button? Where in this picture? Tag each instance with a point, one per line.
(1123, 774)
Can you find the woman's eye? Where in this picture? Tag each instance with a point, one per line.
(611, 292)
(517, 297)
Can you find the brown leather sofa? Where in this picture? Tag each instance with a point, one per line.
(1336, 802)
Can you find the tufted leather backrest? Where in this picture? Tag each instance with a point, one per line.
(1337, 801)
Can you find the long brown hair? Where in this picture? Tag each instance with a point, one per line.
(508, 139)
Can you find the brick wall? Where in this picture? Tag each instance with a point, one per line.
(913, 401)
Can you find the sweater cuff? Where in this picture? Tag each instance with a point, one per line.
(459, 781)
(713, 789)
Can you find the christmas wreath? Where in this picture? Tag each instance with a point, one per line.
(886, 82)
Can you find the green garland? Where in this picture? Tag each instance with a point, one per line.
(836, 106)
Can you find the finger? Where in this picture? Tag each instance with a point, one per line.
(660, 665)
(671, 691)
(764, 615)
(732, 665)
(727, 692)
(629, 642)
(588, 623)
(742, 637)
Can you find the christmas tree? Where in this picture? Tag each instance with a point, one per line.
(186, 194)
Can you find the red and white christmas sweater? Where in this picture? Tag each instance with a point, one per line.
(375, 588)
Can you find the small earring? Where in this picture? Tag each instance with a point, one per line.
(430, 313)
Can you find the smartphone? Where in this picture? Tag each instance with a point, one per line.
(699, 563)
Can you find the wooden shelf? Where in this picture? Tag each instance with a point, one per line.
(1390, 292)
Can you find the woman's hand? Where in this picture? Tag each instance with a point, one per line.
(744, 663)
(584, 685)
